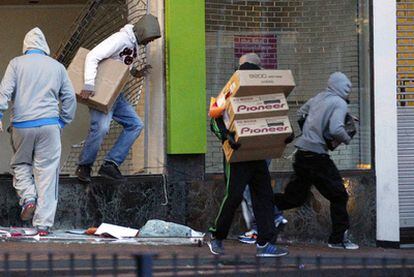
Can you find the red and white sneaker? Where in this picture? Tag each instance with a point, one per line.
(28, 209)
(43, 231)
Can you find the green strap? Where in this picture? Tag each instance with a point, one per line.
(227, 173)
(215, 129)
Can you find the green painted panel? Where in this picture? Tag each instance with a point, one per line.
(186, 77)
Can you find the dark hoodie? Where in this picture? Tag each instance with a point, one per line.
(325, 116)
(147, 29)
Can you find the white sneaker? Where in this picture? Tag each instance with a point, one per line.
(280, 220)
(345, 244)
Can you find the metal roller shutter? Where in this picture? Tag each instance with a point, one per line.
(405, 102)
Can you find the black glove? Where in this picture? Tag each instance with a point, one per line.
(290, 138)
(233, 144)
(301, 121)
(134, 72)
(350, 127)
(140, 73)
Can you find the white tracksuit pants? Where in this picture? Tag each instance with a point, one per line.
(35, 167)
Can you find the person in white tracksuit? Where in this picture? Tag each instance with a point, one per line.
(36, 84)
(121, 46)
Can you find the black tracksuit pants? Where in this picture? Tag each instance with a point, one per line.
(238, 175)
(318, 170)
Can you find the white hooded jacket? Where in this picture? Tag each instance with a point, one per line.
(121, 46)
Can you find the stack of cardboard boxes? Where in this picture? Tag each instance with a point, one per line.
(256, 110)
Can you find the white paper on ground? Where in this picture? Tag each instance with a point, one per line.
(116, 231)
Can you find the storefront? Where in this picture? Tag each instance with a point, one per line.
(54, 21)
(71, 24)
(202, 43)
(314, 39)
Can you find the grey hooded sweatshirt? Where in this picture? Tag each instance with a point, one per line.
(325, 116)
(35, 84)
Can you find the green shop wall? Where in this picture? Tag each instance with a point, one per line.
(186, 76)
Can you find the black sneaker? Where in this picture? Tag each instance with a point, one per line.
(111, 171)
(84, 173)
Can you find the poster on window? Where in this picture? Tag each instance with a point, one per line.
(264, 45)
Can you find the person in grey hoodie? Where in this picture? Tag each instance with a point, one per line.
(325, 121)
(35, 84)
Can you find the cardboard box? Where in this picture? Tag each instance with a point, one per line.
(243, 154)
(259, 82)
(260, 138)
(262, 132)
(111, 78)
(259, 106)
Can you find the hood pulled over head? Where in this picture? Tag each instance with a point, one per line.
(340, 85)
(147, 29)
(35, 39)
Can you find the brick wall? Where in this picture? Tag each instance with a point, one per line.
(314, 39)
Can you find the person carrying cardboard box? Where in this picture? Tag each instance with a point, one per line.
(121, 46)
(323, 120)
(238, 175)
(251, 61)
(35, 84)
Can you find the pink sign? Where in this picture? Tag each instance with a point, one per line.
(263, 45)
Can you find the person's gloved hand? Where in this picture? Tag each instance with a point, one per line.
(350, 125)
(301, 121)
(233, 144)
(140, 73)
(290, 138)
(352, 133)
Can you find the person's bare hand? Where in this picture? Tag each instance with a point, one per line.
(85, 94)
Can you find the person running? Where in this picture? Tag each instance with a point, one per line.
(323, 124)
